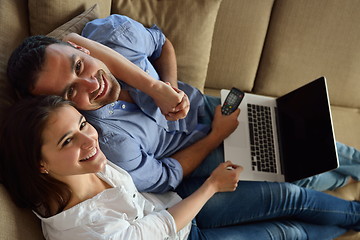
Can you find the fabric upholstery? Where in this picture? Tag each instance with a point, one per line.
(329, 48)
(239, 36)
(14, 26)
(77, 23)
(46, 15)
(20, 223)
(344, 119)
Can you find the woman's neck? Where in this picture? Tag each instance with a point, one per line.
(84, 187)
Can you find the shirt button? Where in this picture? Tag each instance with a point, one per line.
(136, 217)
(111, 112)
(113, 104)
(134, 195)
(147, 71)
(123, 106)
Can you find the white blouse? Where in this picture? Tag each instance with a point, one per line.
(120, 212)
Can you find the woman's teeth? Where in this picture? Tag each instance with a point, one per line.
(90, 155)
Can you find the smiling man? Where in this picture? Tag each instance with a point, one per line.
(89, 82)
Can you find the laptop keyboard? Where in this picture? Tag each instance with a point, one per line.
(261, 139)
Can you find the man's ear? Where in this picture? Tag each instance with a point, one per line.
(85, 50)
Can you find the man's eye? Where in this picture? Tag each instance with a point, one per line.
(70, 93)
(78, 67)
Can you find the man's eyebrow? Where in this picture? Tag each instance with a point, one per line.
(72, 59)
(73, 62)
(67, 133)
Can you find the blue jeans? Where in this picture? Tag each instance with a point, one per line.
(279, 230)
(349, 160)
(271, 211)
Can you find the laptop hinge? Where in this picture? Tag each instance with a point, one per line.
(281, 157)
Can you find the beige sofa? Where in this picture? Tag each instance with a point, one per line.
(266, 47)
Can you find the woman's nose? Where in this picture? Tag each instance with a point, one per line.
(87, 142)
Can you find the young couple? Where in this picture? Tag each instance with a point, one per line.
(134, 133)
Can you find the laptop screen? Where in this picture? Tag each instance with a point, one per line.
(307, 143)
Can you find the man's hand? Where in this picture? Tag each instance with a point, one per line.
(181, 110)
(173, 102)
(224, 125)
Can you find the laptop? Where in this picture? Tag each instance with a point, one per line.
(286, 138)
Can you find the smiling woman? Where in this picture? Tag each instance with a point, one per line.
(74, 144)
(25, 150)
(60, 151)
(51, 163)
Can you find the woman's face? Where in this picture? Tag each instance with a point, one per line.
(70, 145)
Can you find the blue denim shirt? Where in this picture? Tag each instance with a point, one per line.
(137, 137)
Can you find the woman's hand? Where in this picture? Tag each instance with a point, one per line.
(225, 177)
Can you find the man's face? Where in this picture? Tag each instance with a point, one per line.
(76, 76)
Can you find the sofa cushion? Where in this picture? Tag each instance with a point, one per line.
(308, 39)
(187, 24)
(46, 15)
(239, 35)
(17, 223)
(76, 24)
(346, 122)
(14, 28)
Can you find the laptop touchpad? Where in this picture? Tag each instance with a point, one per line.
(239, 137)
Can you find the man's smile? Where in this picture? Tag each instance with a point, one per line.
(103, 85)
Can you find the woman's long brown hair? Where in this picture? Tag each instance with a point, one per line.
(20, 156)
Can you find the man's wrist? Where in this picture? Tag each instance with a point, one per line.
(215, 138)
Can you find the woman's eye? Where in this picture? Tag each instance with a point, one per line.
(66, 142)
(83, 124)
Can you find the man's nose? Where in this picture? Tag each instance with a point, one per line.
(88, 84)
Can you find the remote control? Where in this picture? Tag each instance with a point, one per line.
(232, 101)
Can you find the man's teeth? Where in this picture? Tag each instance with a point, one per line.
(90, 155)
(101, 88)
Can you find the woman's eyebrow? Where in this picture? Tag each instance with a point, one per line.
(67, 133)
(64, 136)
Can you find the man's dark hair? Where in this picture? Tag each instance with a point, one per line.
(27, 61)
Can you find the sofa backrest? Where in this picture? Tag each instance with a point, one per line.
(307, 39)
(14, 28)
(303, 40)
(16, 223)
(239, 36)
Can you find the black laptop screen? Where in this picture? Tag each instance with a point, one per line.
(306, 132)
